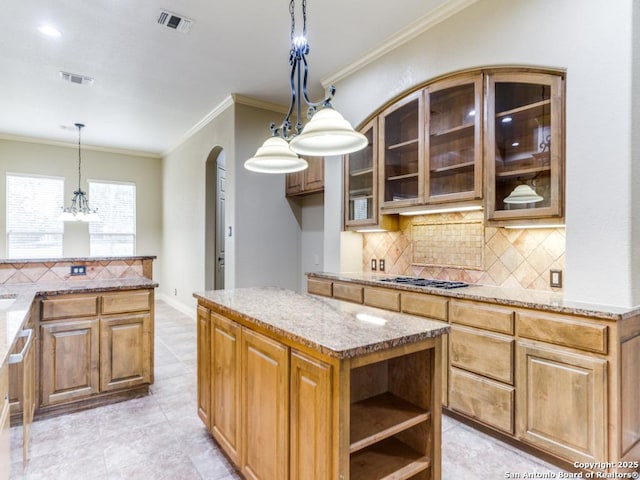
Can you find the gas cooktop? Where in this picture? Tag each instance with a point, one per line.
(425, 282)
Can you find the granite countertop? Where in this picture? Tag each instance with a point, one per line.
(333, 327)
(74, 259)
(14, 316)
(548, 301)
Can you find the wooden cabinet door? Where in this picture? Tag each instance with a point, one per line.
(125, 351)
(562, 402)
(225, 384)
(314, 175)
(5, 442)
(70, 355)
(265, 391)
(294, 183)
(204, 365)
(310, 418)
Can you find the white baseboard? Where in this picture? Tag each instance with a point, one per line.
(177, 304)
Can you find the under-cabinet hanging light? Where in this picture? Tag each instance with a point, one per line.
(326, 133)
(79, 208)
(523, 194)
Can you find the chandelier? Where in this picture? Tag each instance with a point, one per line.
(326, 133)
(79, 208)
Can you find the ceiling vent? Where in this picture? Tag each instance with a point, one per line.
(173, 21)
(76, 78)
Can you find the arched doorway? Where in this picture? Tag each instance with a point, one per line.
(215, 188)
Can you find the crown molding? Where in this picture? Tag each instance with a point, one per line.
(229, 100)
(421, 25)
(95, 148)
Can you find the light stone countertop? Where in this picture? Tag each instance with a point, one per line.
(333, 327)
(14, 317)
(539, 300)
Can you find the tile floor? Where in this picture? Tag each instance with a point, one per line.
(160, 436)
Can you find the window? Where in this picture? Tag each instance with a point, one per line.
(115, 233)
(34, 205)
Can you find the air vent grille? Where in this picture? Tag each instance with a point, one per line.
(76, 78)
(174, 21)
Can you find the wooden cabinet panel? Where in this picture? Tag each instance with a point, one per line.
(203, 357)
(125, 346)
(5, 442)
(482, 315)
(69, 306)
(265, 392)
(562, 400)
(563, 330)
(69, 361)
(481, 352)
(320, 287)
(225, 384)
(307, 181)
(382, 298)
(294, 183)
(134, 301)
(430, 306)
(482, 399)
(351, 293)
(310, 420)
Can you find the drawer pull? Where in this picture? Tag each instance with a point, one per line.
(19, 357)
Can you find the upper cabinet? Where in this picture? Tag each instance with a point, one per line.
(490, 138)
(310, 180)
(402, 152)
(524, 146)
(453, 144)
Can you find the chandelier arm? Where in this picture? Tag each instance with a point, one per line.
(79, 154)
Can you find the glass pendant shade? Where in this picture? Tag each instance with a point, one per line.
(523, 194)
(328, 133)
(275, 156)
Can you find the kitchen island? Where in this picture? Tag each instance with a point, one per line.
(302, 387)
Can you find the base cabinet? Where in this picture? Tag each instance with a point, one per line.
(264, 381)
(5, 443)
(94, 344)
(562, 402)
(70, 361)
(203, 346)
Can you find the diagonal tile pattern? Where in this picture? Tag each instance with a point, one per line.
(160, 437)
(519, 258)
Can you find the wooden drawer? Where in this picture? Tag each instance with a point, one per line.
(320, 287)
(69, 307)
(430, 306)
(345, 291)
(382, 298)
(482, 315)
(122, 302)
(482, 399)
(563, 330)
(486, 353)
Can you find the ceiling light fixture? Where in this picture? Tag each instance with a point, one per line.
(79, 208)
(326, 133)
(49, 31)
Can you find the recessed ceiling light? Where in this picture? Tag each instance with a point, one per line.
(49, 31)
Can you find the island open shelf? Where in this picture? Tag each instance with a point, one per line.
(342, 391)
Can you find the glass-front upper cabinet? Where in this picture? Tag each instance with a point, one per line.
(524, 146)
(361, 181)
(454, 147)
(402, 152)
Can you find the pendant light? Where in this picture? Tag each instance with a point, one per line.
(79, 209)
(326, 133)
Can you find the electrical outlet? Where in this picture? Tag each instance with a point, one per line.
(78, 270)
(555, 278)
(381, 264)
(373, 265)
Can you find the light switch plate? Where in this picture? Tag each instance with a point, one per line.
(555, 278)
(373, 265)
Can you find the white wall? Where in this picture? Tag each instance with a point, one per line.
(311, 236)
(28, 156)
(593, 44)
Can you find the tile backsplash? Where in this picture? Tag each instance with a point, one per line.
(56, 271)
(516, 258)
